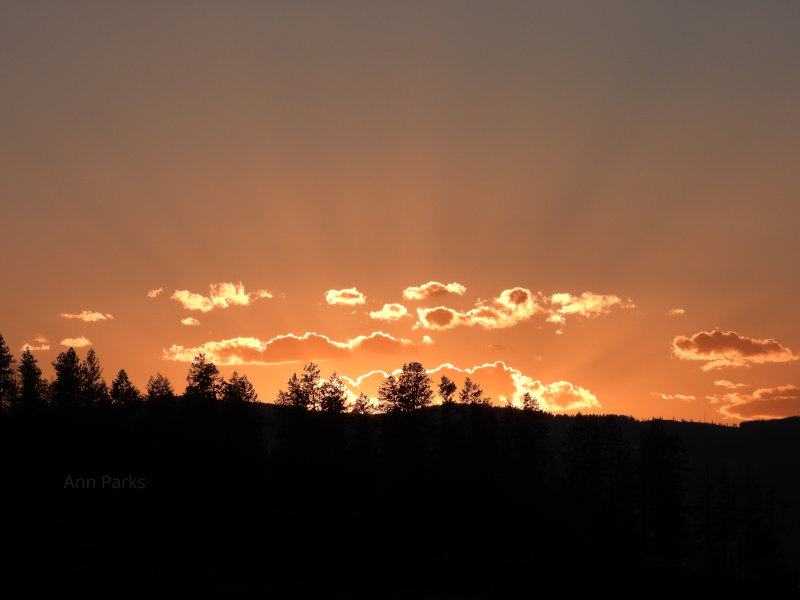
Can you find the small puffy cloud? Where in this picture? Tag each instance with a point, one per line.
(88, 316)
(500, 382)
(39, 343)
(673, 312)
(154, 293)
(288, 348)
(764, 403)
(585, 305)
(78, 342)
(509, 308)
(389, 312)
(433, 288)
(729, 349)
(681, 397)
(728, 384)
(221, 295)
(347, 297)
(190, 321)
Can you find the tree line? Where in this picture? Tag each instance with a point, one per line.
(79, 383)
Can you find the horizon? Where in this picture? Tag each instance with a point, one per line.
(595, 205)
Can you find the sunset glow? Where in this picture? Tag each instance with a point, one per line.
(595, 206)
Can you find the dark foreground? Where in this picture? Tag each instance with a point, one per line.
(449, 502)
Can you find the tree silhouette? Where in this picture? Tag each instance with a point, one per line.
(123, 391)
(414, 387)
(159, 389)
(332, 395)
(293, 396)
(362, 405)
(68, 383)
(33, 388)
(94, 388)
(447, 390)
(8, 386)
(239, 389)
(530, 403)
(204, 383)
(471, 393)
(309, 386)
(389, 394)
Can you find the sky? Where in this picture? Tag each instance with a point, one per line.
(596, 203)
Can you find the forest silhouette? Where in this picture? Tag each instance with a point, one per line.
(108, 489)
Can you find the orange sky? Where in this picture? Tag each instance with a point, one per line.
(574, 174)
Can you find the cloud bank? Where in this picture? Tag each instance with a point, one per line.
(764, 403)
(509, 308)
(499, 381)
(729, 349)
(190, 322)
(288, 348)
(154, 293)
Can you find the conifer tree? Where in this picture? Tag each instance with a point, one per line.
(123, 391)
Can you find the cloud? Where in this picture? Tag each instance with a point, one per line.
(78, 342)
(288, 348)
(519, 304)
(190, 321)
(672, 312)
(222, 295)
(728, 384)
(154, 293)
(433, 288)
(509, 308)
(585, 305)
(729, 349)
(389, 312)
(681, 397)
(88, 316)
(499, 381)
(764, 403)
(348, 297)
(40, 343)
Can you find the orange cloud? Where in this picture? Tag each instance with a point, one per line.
(764, 403)
(190, 321)
(585, 305)
(389, 312)
(728, 384)
(675, 311)
(88, 316)
(222, 295)
(499, 381)
(729, 349)
(509, 308)
(433, 288)
(40, 343)
(154, 293)
(681, 397)
(78, 342)
(288, 348)
(348, 297)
